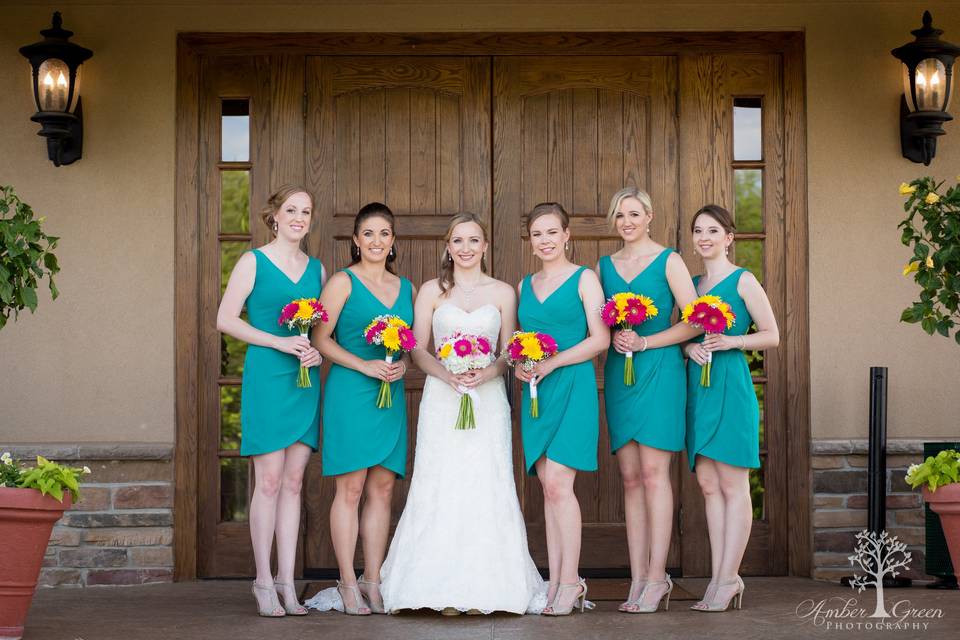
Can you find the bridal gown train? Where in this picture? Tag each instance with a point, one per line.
(461, 541)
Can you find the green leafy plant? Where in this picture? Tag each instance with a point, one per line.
(932, 229)
(935, 471)
(25, 256)
(48, 477)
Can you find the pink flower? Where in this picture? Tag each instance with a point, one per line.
(288, 312)
(483, 344)
(515, 349)
(407, 341)
(462, 347)
(636, 312)
(609, 313)
(547, 343)
(375, 331)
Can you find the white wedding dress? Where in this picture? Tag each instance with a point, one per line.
(461, 541)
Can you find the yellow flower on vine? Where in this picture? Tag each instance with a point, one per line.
(911, 267)
(906, 189)
(932, 198)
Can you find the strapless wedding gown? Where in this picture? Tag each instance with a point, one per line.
(461, 541)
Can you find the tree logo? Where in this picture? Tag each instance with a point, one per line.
(878, 555)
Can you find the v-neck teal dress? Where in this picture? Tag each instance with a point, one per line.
(274, 412)
(652, 411)
(723, 420)
(356, 434)
(568, 427)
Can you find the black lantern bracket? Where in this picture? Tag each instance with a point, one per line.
(60, 122)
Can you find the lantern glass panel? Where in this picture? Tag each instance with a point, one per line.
(53, 87)
(931, 83)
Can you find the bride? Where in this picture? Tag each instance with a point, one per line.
(461, 543)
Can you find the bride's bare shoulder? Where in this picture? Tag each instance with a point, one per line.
(504, 293)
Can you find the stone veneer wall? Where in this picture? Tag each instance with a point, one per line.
(840, 503)
(121, 530)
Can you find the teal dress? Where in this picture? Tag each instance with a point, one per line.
(723, 420)
(274, 412)
(356, 434)
(568, 427)
(652, 411)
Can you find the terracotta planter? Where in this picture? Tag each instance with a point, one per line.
(945, 502)
(26, 518)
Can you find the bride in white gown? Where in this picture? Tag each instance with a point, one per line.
(461, 542)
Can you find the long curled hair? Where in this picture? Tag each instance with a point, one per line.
(446, 260)
(374, 210)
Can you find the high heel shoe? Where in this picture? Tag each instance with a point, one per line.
(360, 608)
(294, 609)
(665, 598)
(626, 607)
(708, 595)
(374, 607)
(580, 600)
(736, 598)
(273, 610)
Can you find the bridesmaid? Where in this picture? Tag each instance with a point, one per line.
(646, 420)
(723, 419)
(364, 447)
(562, 300)
(279, 422)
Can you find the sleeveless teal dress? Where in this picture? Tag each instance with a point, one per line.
(652, 411)
(356, 434)
(568, 427)
(274, 412)
(723, 420)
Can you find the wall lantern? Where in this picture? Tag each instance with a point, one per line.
(55, 63)
(927, 75)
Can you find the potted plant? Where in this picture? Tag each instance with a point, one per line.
(940, 477)
(25, 256)
(32, 499)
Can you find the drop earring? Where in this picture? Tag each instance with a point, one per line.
(275, 227)
(566, 246)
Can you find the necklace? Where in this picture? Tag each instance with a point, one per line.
(467, 293)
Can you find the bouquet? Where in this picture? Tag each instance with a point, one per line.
(625, 311)
(460, 353)
(713, 315)
(527, 348)
(302, 314)
(395, 335)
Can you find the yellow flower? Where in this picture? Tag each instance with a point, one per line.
(932, 198)
(531, 347)
(396, 321)
(445, 350)
(906, 189)
(929, 262)
(910, 268)
(391, 338)
(304, 310)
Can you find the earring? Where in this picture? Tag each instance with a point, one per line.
(726, 251)
(275, 226)
(447, 256)
(355, 252)
(566, 246)
(393, 254)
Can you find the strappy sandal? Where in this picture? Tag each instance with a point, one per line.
(360, 608)
(292, 609)
(273, 610)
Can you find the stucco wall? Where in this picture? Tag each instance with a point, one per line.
(98, 363)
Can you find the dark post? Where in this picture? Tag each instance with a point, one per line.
(877, 452)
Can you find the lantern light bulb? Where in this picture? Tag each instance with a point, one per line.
(921, 79)
(935, 78)
(48, 80)
(61, 81)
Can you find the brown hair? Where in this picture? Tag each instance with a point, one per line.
(719, 214)
(269, 212)
(374, 210)
(545, 209)
(446, 263)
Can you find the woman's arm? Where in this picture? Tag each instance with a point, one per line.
(767, 335)
(422, 356)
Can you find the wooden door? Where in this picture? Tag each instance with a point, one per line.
(575, 130)
(413, 133)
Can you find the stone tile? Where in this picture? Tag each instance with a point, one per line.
(93, 557)
(125, 451)
(910, 517)
(839, 481)
(896, 482)
(828, 501)
(827, 462)
(857, 461)
(93, 499)
(894, 501)
(151, 557)
(143, 497)
(843, 518)
(152, 519)
(130, 471)
(838, 541)
(131, 537)
(56, 577)
(64, 537)
(128, 576)
(909, 535)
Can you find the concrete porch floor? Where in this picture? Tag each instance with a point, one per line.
(215, 610)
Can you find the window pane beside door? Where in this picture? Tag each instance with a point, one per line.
(747, 121)
(748, 200)
(235, 131)
(235, 202)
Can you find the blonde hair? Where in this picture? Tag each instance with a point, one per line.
(620, 196)
(269, 212)
(446, 260)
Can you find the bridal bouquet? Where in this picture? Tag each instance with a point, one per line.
(395, 335)
(625, 311)
(527, 348)
(460, 353)
(301, 314)
(713, 315)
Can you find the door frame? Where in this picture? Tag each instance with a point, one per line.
(193, 48)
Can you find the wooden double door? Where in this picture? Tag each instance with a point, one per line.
(434, 135)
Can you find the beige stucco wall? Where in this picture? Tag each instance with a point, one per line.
(98, 364)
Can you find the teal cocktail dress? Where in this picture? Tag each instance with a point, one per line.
(568, 427)
(274, 412)
(652, 411)
(723, 420)
(356, 434)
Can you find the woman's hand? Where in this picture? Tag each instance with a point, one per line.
(294, 345)
(627, 341)
(476, 377)
(539, 371)
(521, 372)
(383, 370)
(311, 358)
(720, 342)
(696, 352)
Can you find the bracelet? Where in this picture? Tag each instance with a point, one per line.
(644, 347)
(743, 343)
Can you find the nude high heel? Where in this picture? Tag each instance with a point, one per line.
(273, 610)
(736, 598)
(360, 608)
(665, 598)
(374, 608)
(580, 600)
(294, 608)
(626, 606)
